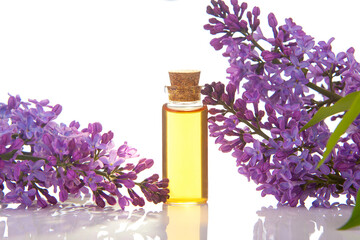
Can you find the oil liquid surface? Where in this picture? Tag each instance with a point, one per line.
(185, 154)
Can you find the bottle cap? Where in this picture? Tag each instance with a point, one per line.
(184, 86)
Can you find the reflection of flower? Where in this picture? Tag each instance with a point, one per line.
(302, 223)
(75, 221)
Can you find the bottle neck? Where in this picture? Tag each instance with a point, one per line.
(184, 98)
(184, 106)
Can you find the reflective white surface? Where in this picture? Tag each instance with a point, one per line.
(190, 222)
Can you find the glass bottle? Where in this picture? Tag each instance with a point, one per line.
(185, 137)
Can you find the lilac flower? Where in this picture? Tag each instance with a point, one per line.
(112, 161)
(41, 115)
(275, 98)
(92, 180)
(270, 56)
(109, 199)
(35, 170)
(291, 138)
(28, 126)
(60, 147)
(128, 183)
(351, 179)
(125, 151)
(315, 73)
(99, 200)
(273, 23)
(254, 153)
(18, 169)
(304, 47)
(301, 161)
(49, 198)
(122, 200)
(40, 201)
(94, 142)
(135, 198)
(143, 164)
(295, 70)
(36, 153)
(20, 195)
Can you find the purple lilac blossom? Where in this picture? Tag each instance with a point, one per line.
(36, 153)
(279, 89)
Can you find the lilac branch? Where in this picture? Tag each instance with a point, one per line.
(256, 129)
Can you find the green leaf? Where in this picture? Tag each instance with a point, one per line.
(348, 118)
(341, 105)
(354, 220)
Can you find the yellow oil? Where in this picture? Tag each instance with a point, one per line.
(185, 154)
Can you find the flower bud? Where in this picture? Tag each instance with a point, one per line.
(57, 109)
(248, 137)
(243, 25)
(210, 11)
(356, 138)
(236, 7)
(256, 11)
(96, 128)
(225, 148)
(224, 8)
(11, 102)
(231, 89)
(217, 11)
(149, 163)
(99, 201)
(249, 16)
(249, 115)
(272, 20)
(40, 201)
(74, 124)
(109, 199)
(209, 101)
(214, 111)
(269, 109)
(261, 114)
(17, 144)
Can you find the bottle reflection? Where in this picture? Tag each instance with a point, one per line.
(187, 221)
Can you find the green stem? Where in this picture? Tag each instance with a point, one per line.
(257, 45)
(324, 92)
(256, 130)
(25, 156)
(326, 180)
(330, 75)
(101, 173)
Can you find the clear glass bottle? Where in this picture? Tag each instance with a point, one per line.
(185, 137)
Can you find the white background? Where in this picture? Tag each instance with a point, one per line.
(107, 61)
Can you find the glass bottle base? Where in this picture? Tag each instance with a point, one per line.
(186, 201)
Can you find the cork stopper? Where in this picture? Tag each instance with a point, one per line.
(184, 86)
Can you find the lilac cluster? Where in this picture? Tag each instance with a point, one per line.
(271, 94)
(36, 153)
